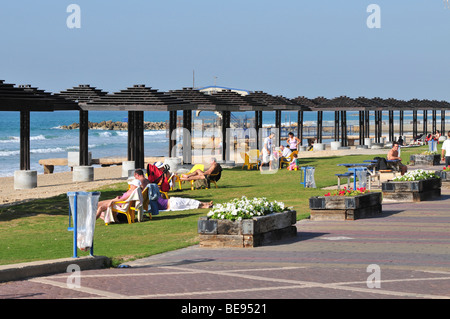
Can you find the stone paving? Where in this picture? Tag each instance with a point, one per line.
(404, 254)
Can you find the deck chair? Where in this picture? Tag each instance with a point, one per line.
(145, 204)
(193, 169)
(288, 160)
(246, 159)
(215, 177)
(253, 158)
(127, 207)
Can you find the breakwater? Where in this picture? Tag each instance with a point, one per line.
(116, 126)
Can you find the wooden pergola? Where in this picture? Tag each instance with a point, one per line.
(26, 99)
(83, 93)
(136, 100)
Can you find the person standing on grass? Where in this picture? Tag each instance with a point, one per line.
(293, 142)
(267, 156)
(446, 150)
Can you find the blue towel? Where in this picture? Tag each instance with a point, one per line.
(154, 194)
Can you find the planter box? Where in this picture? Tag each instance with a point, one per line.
(444, 175)
(246, 233)
(411, 191)
(417, 159)
(345, 207)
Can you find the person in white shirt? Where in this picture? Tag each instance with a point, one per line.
(285, 152)
(267, 156)
(446, 150)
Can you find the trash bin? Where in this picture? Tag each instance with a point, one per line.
(432, 146)
(307, 176)
(82, 211)
(361, 174)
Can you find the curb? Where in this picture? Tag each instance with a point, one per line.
(49, 267)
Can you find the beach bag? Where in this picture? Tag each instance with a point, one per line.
(381, 163)
(158, 176)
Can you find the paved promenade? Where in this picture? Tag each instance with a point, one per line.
(407, 249)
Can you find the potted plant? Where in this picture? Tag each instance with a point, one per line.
(414, 186)
(346, 204)
(425, 158)
(244, 222)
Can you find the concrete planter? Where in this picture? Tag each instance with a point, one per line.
(419, 159)
(246, 233)
(411, 191)
(345, 207)
(444, 175)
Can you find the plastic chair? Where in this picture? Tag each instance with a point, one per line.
(246, 159)
(145, 203)
(288, 160)
(253, 159)
(130, 206)
(193, 169)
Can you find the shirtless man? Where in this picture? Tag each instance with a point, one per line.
(199, 174)
(393, 155)
(139, 175)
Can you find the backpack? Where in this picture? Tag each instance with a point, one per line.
(158, 176)
(381, 163)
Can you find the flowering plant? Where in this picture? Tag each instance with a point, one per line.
(348, 192)
(428, 153)
(446, 168)
(415, 175)
(244, 208)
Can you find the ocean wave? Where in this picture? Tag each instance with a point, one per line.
(16, 139)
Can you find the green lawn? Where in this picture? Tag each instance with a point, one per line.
(37, 230)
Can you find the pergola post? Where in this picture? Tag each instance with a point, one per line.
(319, 126)
(25, 140)
(425, 122)
(187, 136)
(300, 126)
(84, 138)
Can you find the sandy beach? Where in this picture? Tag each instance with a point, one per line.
(58, 183)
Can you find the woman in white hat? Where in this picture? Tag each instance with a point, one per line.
(104, 204)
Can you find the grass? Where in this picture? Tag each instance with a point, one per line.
(37, 230)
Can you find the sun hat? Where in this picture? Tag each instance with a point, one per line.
(135, 182)
(159, 164)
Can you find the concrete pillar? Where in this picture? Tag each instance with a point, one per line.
(126, 167)
(25, 179)
(83, 174)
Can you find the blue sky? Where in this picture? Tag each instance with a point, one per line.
(286, 47)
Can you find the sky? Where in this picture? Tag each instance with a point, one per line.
(287, 47)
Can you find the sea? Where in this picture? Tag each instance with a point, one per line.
(49, 140)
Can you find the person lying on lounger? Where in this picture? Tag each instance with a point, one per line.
(199, 174)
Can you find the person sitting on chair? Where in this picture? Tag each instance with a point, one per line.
(393, 155)
(103, 205)
(139, 175)
(199, 174)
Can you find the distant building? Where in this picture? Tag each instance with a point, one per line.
(212, 89)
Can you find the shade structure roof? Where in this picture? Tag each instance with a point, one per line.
(82, 93)
(240, 102)
(27, 98)
(137, 98)
(277, 102)
(304, 102)
(342, 103)
(203, 101)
